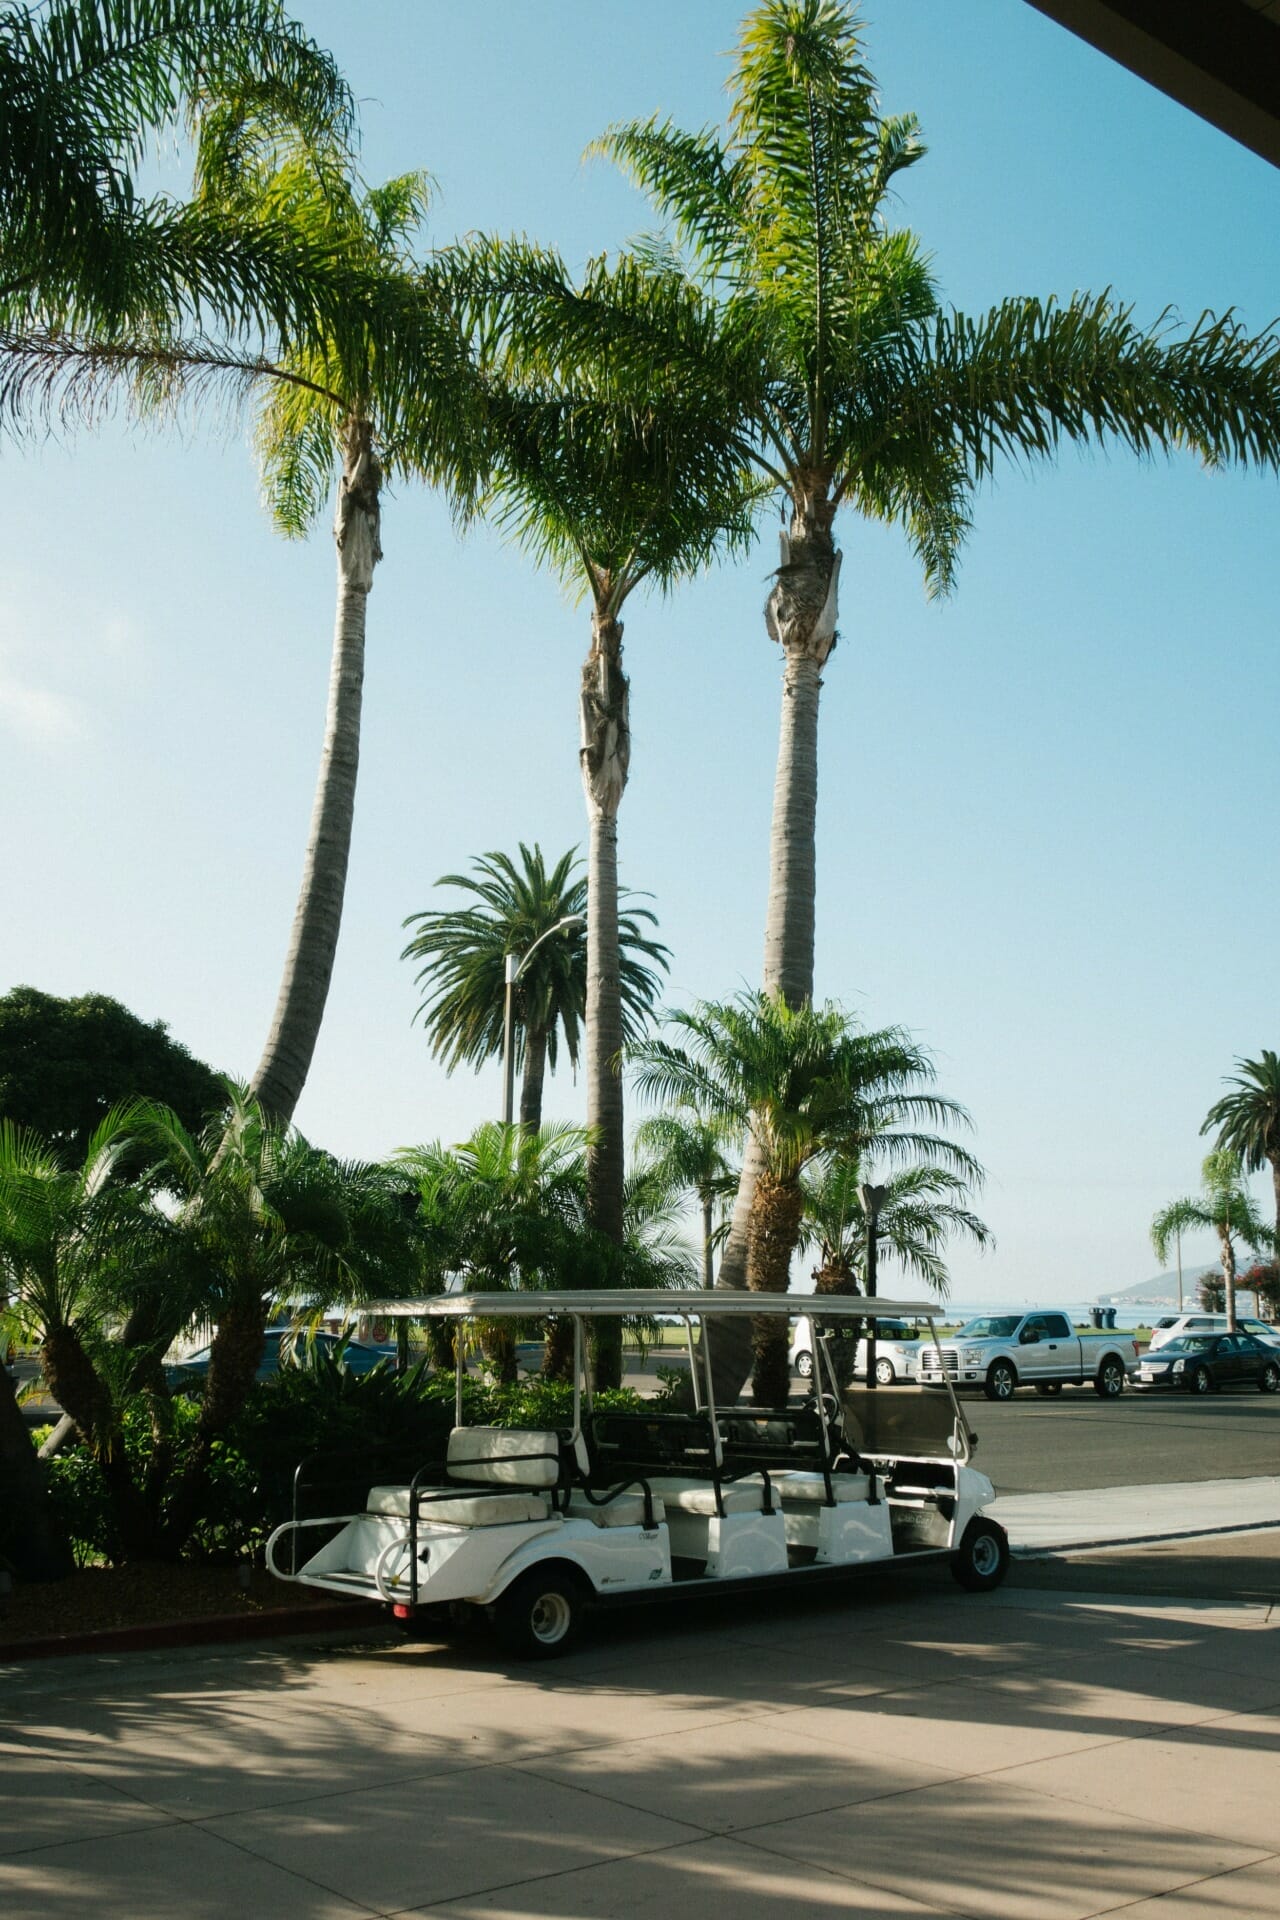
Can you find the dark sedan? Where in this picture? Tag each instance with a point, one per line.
(1204, 1362)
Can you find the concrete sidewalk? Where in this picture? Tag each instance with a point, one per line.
(1101, 1516)
(902, 1750)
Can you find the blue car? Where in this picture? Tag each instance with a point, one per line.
(287, 1346)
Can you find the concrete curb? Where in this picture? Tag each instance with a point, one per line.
(273, 1623)
(1141, 1540)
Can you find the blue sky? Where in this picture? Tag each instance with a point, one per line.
(1045, 804)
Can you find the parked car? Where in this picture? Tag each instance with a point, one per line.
(1174, 1325)
(1001, 1352)
(287, 1346)
(898, 1344)
(1205, 1362)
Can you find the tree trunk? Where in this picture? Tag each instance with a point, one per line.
(708, 1266)
(30, 1538)
(1275, 1187)
(80, 1390)
(775, 1228)
(535, 1066)
(234, 1357)
(836, 1275)
(1228, 1278)
(801, 616)
(286, 1059)
(603, 758)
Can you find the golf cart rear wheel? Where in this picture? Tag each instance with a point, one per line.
(804, 1364)
(1109, 1380)
(540, 1614)
(885, 1375)
(981, 1560)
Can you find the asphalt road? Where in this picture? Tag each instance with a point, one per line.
(1030, 1445)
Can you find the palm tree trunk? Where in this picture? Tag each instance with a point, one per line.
(535, 1066)
(775, 1228)
(1228, 1277)
(708, 1265)
(286, 1059)
(30, 1538)
(1275, 1187)
(604, 757)
(801, 617)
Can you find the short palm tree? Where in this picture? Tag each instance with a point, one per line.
(923, 1208)
(687, 1154)
(1248, 1119)
(801, 1082)
(1225, 1207)
(464, 950)
(849, 387)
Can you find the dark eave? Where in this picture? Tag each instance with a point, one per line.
(1221, 58)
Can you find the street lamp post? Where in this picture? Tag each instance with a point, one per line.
(513, 966)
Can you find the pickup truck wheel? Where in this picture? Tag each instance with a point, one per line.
(540, 1614)
(1109, 1380)
(1047, 1388)
(1001, 1380)
(885, 1375)
(804, 1364)
(1269, 1378)
(981, 1560)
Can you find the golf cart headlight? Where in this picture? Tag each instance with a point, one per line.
(1177, 1366)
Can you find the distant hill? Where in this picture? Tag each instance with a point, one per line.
(1162, 1291)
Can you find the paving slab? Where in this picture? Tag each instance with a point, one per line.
(994, 1850)
(435, 1839)
(717, 1879)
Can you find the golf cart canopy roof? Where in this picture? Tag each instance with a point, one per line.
(676, 1304)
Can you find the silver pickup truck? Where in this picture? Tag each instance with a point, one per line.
(1004, 1351)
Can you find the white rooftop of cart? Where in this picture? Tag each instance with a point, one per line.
(672, 1303)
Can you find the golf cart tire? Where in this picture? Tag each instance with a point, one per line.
(885, 1375)
(804, 1364)
(1108, 1382)
(540, 1615)
(1002, 1380)
(981, 1561)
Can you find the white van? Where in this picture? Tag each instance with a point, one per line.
(1174, 1325)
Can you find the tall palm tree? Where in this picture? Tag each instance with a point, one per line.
(88, 86)
(464, 950)
(801, 1082)
(1225, 1207)
(1248, 1119)
(364, 416)
(614, 483)
(686, 1154)
(849, 386)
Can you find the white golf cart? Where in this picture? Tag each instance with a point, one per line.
(651, 1504)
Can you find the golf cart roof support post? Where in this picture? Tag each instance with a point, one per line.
(693, 1364)
(717, 1446)
(822, 1358)
(457, 1376)
(962, 1427)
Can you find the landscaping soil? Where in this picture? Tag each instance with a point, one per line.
(102, 1600)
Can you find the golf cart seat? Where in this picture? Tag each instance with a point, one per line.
(682, 1495)
(803, 1489)
(461, 1509)
(619, 1510)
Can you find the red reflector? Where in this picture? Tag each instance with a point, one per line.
(401, 1613)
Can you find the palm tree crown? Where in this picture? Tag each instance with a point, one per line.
(1225, 1207)
(1248, 1119)
(464, 949)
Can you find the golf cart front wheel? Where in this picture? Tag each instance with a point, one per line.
(981, 1560)
(804, 1364)
(540, 1615)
